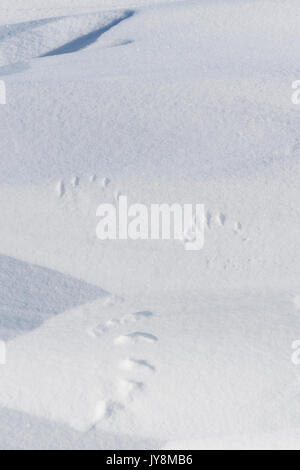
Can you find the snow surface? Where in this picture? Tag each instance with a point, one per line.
(134, 344)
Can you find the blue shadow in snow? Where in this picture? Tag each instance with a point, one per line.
(84, 41)
(29, 295)
(11, 69)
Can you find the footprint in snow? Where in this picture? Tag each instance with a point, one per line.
(125, 392)
(130, 364)
(105, 182)
(220, 219)
(126, 389)
(113, 300)
(62, 187)
(114, 322)
(105, 409)
(134, 317)
(133, 369)
(136, 337)
(75, 181)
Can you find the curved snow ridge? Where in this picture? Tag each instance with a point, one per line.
(31, 294)
(52, 36)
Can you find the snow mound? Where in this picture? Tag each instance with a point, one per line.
(29, 295)
(24, 41)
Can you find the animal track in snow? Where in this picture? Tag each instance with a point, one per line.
(105, 409)
(214, 220)
(237, 227)
(60, 189)
(133, 317)
(136, 337)
(97, 331)
(127, 388)
(221, 219)
(113, 300)
(75, 181)
(63, 188)
(130, 364)
(105, 182)
(238, 230)
(113, 322)
(132, 371)
(119, 43)
(208, 220)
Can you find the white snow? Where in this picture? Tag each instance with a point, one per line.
(142, 344)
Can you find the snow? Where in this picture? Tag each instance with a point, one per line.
(142, 344)
(36, 294)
